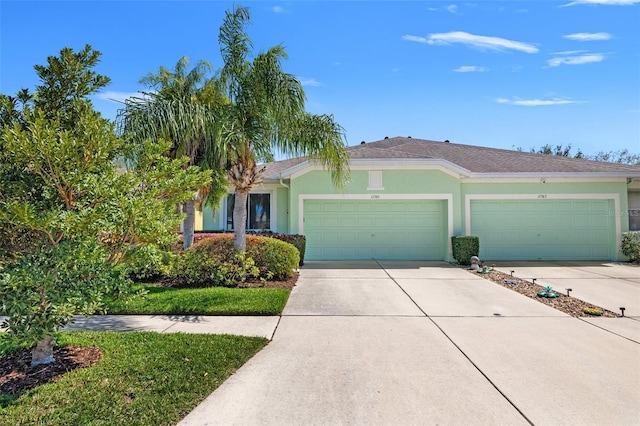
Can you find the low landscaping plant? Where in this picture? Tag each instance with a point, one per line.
(630, 246)
(200, 267)
(592, 311)
(298, 241)
(464, 247)
(274, 259)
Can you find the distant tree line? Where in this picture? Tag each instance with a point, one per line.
(623, 156)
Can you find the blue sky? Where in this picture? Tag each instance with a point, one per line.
(502, 74)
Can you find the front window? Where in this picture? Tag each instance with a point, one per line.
(258, 211)
(634, 219)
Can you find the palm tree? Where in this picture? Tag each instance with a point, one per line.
(181, 107)
(266, 112)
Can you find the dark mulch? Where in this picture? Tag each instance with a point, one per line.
(255, 283)
(569, 305)
(17, 375)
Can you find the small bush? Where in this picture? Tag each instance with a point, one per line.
(277, 257)
(630, 246)
(199, 268)
(464, 247)
(274, 258)
(298, 241)
(592, 311)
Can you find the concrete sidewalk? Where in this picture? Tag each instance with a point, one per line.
(409, 343)
(197, 324)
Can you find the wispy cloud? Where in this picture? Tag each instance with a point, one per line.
(603, 2)
(537, 102)
(481, 42)
(588, 36)
(576, 60)
(310, 82)
(470, 68)
(278, 9)
(452, 8)
(569, 52)
(118, 96)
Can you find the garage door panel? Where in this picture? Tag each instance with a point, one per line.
(544, 229)
(376, 229)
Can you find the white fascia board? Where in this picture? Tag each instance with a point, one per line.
(559, 176)
(383, 164)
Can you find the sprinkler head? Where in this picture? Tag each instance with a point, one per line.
(622, 308)
(569, 290)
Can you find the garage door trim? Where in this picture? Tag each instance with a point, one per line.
(446, 197)
(598, 196)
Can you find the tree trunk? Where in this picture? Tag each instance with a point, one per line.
(189, 223)
(42, 352)
(240, 220)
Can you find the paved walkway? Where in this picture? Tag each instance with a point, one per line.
(407, 343)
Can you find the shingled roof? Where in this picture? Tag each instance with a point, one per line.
(475, 159)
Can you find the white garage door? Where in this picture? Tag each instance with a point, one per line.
(544, 229)
(375, 229)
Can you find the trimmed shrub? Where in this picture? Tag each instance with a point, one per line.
(199, 268)
(630, 245)
(298, 241)
(275, 259)
(464, 247)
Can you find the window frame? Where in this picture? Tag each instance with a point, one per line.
(227, 220)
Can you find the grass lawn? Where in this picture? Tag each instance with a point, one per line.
(144, 378)
(204, 301)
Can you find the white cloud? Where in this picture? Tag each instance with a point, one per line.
(470, 68)
(119, 97)
(603, 2)
(588, 36)
(482, 42)
(537, 102)
(576, 60)
(570, 52)
(311, 82)
(278, 9)
(417, 39)
(452, 8)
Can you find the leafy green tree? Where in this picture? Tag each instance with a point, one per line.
(266, 113)
(85, 216)
(181, 107)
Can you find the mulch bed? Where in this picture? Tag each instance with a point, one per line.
(17, 375)
(568, 305)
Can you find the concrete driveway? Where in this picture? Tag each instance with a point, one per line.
(414, 343)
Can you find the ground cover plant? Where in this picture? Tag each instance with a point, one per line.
(137, 378)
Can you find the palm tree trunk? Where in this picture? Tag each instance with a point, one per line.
(42, 352)
(240, 220)
(189, 223)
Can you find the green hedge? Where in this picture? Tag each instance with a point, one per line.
(298, 241)
(275, 258)
(464, 247)
(630, 246)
